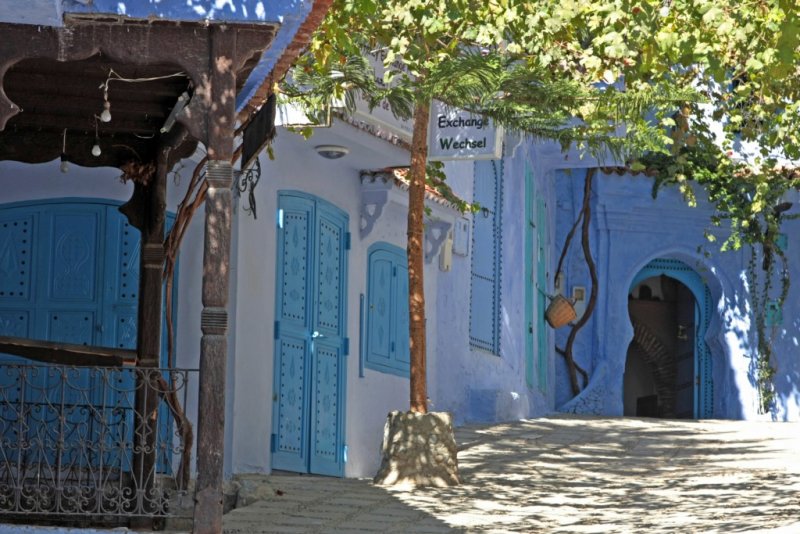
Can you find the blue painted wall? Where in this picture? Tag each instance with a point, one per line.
(475, 384)
(629, 229)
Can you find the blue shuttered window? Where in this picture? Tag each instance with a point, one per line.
(484, 323)
(387, 347)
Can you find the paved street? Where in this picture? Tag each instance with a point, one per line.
(567, 474)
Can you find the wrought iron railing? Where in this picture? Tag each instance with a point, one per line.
(91, 441)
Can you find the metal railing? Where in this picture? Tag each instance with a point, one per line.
(91, 441)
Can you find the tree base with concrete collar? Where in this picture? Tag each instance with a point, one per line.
(418, 450)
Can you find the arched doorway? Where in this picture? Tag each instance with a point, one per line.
(668, 364)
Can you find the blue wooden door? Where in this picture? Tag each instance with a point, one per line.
(61, 247)
(69, 272)
(310, 342)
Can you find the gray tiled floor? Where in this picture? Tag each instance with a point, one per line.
(567, 474)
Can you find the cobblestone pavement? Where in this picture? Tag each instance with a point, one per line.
(567, 474)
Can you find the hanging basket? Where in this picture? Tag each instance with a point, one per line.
(560, 312)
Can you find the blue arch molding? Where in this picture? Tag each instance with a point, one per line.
(290, 14)
(704, 393)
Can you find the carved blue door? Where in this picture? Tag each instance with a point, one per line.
(60, 249)
(310, 342)
(69, 272)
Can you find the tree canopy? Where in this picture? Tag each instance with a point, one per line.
(700, 91)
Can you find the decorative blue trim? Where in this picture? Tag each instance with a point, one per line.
(361, 334)
(530, 294)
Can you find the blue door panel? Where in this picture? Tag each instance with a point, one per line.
(291, 452)
(327, 348)
(294, 269)
(16, 231)
(380, 301)
(292, 349)
(308, 415)
(326, 436)
(14, 323)
(330, 241)
(72, 254)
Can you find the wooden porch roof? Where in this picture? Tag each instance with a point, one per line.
(54, 91)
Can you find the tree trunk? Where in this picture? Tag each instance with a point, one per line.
(416, 288)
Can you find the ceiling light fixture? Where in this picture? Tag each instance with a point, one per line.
(332, 151)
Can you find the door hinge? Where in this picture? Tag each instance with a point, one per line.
(394, 270)
(346, 346)
(277, 329)
(273, 439)
(347, 240)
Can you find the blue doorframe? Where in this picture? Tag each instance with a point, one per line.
(704, 390)
(310, 336)
(530, 281)
(537, 346)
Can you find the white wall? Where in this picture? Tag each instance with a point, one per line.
(369, 399)
(249, 394)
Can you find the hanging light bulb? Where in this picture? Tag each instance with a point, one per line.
(105, 115)
(96, 149)
(64, 164)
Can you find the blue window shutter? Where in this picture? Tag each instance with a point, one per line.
(485, 266)
(387, 345)
(379, 294)
(402, 352)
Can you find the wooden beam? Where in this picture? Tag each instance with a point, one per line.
(66, 353)
(17, 83)
(39, 146)
(32, 119)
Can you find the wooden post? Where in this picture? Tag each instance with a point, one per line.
(148, 335)
(216, 269)
(416, 252)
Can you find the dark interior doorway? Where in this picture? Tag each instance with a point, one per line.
(660, 363)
